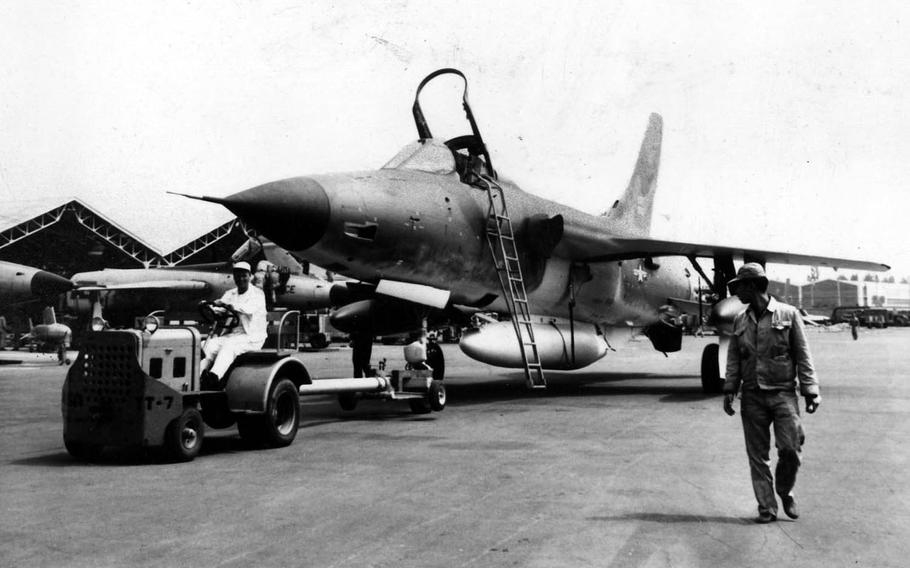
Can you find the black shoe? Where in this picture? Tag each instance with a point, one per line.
(765, 518)
(209, 381)
(789, 504)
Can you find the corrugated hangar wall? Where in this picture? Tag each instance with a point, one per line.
(825, 295)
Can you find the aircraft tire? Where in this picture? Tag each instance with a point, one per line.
(82, 451)
(436, 360)
(347, 401)
(420, 406)
(436, 396)
(183, 437)
(711, 382)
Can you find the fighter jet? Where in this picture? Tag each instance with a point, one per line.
(19, 283)
(438, 228)
(126, 293)
(49, 335)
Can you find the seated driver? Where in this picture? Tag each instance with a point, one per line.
(415, 353)
(249, 304)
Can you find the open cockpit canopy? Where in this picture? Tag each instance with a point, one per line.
(470, 156)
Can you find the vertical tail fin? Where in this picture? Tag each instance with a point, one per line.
(281, 257)
(631, 214)
(50, 316)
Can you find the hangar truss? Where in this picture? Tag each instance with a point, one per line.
(72, 237)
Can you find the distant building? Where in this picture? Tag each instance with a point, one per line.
(825, 295)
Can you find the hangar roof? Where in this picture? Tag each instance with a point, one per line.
(69, 235)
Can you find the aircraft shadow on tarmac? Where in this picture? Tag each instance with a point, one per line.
(665, 518)
(507, 387)
(676, 389)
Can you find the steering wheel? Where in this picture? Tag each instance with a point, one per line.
(222, 316)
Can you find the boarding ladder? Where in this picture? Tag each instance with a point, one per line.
(502, 243)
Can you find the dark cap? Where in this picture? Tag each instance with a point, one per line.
(748, 271)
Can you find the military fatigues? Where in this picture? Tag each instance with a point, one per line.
(767, 359)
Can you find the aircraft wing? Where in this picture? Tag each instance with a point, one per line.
(172, 285)
(585, 244)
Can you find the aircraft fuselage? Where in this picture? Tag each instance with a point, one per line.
(429, 229)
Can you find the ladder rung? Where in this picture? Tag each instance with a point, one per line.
(506, 260)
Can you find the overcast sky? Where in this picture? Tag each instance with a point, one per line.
(786, 124)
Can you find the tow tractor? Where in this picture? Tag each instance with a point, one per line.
(140, 388)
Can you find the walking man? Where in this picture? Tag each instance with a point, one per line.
(768, 360)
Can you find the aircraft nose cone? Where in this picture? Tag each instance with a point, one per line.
(293, 213)
(49, 284)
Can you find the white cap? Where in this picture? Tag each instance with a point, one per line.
(242, 265)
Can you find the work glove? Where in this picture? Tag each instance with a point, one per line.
(728, 404)
(812, 403)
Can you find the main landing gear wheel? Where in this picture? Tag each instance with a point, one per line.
(436, 360)
(711, 381)
(183, 437)
(319, 341)
(278, 426)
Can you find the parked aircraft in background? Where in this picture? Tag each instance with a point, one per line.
(49, 336)
(437, 228)
(19, 283)
(122, 294)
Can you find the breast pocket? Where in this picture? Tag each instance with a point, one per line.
(781, 366)
(780, 342)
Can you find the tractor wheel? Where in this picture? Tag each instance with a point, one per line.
(436, 396)
(183, 437)
(711, 381)
(278, 426)
(82, 451)
(420, 406)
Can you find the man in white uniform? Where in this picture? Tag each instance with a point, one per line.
(249, 304)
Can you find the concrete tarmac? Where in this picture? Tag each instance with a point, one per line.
(625, 463)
